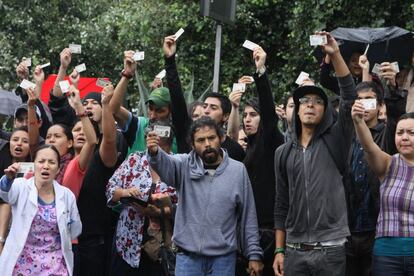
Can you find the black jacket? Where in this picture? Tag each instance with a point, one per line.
(311, 204)
(384, 137)
(259, 160)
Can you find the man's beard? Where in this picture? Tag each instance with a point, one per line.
(212, 158)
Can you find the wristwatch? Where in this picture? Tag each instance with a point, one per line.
(127, 74)
(261, 71)
(2, 240)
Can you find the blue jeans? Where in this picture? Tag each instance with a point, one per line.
(393, 265)
(189, 264)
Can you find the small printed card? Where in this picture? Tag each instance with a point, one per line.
(369, 104)
(178, 33)
(75, 48)
(139, 56)
(28, 62)
(102, 82)
(161, 74)
(301, 78)
(44, 65)
(162, 131)
(239, 87)
(64, 86)
(25, 84)
(80, 68)
(318, 40)
(250, 45)
(26, 170)
(396, 67)
(376, 69)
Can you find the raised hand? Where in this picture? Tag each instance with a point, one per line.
(235, 98)
(129, 63)
(12, 170)
(388, 73)
(74, 99)
(358, 111)
(363, 62)
(259, 56)
(32, 97)
(65, 58)
(22, 71)
(74, 78)
(246, 80)
(331, 47)
(107, 94)
(156, 83)
(153, 141)
(38, 75)
(169, 47)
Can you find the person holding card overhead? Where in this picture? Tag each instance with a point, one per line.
(310, 219)
(393, 252)
(45, 219)
(363, 192)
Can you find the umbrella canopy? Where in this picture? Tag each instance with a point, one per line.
(386, 44)
(8, 102)
(85, 86)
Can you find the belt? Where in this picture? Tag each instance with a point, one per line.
(308, 247)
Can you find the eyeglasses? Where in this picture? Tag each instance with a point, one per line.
(315, 101)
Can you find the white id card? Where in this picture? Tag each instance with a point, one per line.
(75, 48)
(161, 74)
(25, 84)
(239, 87)
(369, 104)
(64, 86)
(301, 78)
(250, 45)
(162, 131)
(318, 40)
(139, 56)
(80, 68)
(178, 33)
(26, 169)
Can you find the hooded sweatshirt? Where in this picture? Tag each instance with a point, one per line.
(311, 207)
(211, 209)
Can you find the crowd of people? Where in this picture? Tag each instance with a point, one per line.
(317, 185)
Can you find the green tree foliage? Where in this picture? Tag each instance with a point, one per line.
(41, 29)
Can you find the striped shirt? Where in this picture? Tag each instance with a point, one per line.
(396, 217)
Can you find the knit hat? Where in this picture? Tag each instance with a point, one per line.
(95, 96)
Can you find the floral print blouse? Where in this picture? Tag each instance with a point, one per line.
(133, 172)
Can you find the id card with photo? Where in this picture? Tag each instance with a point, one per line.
(162, 131)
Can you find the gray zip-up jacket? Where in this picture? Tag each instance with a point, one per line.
(210, 209)
(311, 207)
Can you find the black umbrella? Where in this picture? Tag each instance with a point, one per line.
(386, 44)
(8, 102)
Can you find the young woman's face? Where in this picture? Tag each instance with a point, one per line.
(19, 145)
(404, 137)
(78, 136)
(46, 165)
(251, 120)
(56, 136)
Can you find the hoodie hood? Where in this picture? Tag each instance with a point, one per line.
(197, 167)
(327, 121)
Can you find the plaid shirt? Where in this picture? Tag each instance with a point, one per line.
(396, 217)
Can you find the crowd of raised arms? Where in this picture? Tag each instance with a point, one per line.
(316, 185)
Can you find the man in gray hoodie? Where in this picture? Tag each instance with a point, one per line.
(310, 207)
(216, 209)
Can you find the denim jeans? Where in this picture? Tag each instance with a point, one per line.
(329, 261)
(189, 264)
(393, 265)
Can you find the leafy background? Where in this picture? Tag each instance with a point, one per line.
(41, 29)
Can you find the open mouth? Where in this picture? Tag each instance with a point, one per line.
(90, 114)
(45, 174)
(18, 150)
(81, 140)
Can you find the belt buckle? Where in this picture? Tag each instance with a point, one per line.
(307, 247)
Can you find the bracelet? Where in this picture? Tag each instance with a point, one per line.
(2, 240)
(126, 74)
(279, 250)
(82, 115)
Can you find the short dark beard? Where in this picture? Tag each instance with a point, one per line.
(210, 159)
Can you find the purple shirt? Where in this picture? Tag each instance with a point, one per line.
(396, 217)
